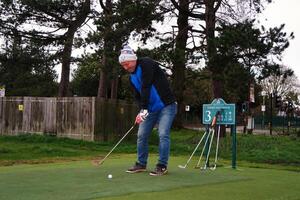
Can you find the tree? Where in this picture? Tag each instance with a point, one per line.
(243, 45)
(114, 27)
(197, 89)
(205, 15)
(281, 83)
(27, 70)
(179, 59)
(86, 77)
(55, 24)
(236, 83)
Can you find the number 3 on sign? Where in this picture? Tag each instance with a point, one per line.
(208, 116)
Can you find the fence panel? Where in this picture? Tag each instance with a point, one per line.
(84, 118)
(75, 117)
(12, 115)
(49, 123)
(113, 118)
(33, 115)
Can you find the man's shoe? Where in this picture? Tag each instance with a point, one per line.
(159, 170)
(136, 168)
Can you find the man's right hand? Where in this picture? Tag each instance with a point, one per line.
(141, 116)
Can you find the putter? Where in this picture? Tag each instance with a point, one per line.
(97, 163)
(217, 148)
(184, 166)
(200, 158)
(209, 148)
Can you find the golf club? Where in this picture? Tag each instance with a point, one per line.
(184, 166)
(217, 148)
(97, 163)
(200, 158)
(209, 148)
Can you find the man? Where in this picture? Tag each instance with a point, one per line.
(157, 104)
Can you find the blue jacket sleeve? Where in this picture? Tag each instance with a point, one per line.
(147, 81)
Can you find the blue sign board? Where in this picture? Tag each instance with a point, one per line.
(226, 112)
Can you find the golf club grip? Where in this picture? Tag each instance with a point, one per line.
(214, 121)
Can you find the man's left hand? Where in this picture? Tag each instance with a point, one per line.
(141, 116)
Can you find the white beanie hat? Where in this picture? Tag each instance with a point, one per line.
(127, 54)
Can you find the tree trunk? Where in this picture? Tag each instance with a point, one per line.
(211, 6)
(67, 51)
(102, 89)
(179, 61)
(114, 88)
(210, 20)
(104, 73)
(66, 60)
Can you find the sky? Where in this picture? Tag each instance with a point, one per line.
(286, 12)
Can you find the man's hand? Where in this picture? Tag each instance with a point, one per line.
(141, 116)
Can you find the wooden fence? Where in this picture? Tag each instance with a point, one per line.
(86, 118)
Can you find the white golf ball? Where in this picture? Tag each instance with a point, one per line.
(109, 176)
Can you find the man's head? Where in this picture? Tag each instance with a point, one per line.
(128, 59)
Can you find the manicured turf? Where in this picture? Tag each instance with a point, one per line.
(262, 185)
(81, 180)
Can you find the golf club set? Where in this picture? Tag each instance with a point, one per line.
(208, 137)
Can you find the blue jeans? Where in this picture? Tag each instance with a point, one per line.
(164, 118)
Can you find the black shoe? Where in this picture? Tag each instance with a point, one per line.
(159, 170)
(136, 168)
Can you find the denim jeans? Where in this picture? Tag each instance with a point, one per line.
(164, 118)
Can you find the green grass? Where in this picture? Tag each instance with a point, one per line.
(81, 180)
(283, 150)
(268, 168)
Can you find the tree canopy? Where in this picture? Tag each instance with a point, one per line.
(213, 47)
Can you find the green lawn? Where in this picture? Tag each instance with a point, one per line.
(283, 150)
(81, 180)
(44, 167)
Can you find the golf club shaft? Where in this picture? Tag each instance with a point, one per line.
(209, 148)
(206, 139)
(116, 144)
(194, 150)
(217, 146)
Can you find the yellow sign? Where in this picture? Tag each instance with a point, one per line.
(122, 110)
(21, 107)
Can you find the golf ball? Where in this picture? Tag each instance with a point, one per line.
(109, 176)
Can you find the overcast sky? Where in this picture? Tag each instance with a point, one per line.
(287, 12)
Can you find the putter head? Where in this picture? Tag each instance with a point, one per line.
(213, 168)
(100, 162)
(97, 162)
(197, 167)
(182, 166)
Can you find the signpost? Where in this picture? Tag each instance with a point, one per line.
(227, 112)
(226, 116)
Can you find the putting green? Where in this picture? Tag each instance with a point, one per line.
(81, 180)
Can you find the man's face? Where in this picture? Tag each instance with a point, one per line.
(129, 65)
